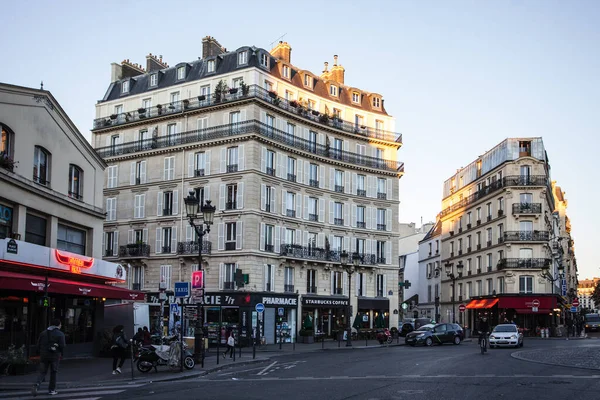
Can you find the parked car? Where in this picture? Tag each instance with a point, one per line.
(411, 324)
(439, 334)
(506, 335)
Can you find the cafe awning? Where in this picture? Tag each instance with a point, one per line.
(481, 304)
(26, 282)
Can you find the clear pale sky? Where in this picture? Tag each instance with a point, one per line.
(459, 76)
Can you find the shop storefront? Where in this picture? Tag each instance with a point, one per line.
(38, 284)
(325, 315)
(374, 312)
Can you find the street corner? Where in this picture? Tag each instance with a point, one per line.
(584, 357)
(209, 370)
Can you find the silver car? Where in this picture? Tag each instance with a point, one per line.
(506, 335)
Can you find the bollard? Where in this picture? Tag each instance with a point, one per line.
(131, 347)
(233, 350)
(254, 348)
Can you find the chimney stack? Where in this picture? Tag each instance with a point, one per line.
(129, 69)
(210, 47)
(283, 51)
(154, 63)
(337, 71)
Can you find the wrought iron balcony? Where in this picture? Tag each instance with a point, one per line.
(199, 172)
(252, 92)
(361, 192)
(230, 205)
(166, 249)
(517, 263)
(232, 168)
(230, 245)
(250, 126)
(291, 177)
(527, 208)
(290, 213)
(526, 180)
(75, 195)
(288, 288)
(269, 247)
(108, 252)
(361, 224)
(136, 286)
(313, 217)
(314, 183)
(380, 260)
(191, 248)
(382, 196)
(338, 221)
(526, 236)
(167, 211)
(270, 171)
(320, 254)
(381, 227)
(134, 250)
(339, 188)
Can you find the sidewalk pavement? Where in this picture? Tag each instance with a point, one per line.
(98, 371)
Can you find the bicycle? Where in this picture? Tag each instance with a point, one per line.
(483, 342)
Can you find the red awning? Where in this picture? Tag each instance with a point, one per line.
(482, 303)
(527, 302)
(16, 281)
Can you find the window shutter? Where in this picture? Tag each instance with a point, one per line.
(158, 249)
(371, 191)
(353, 216)
(352, 245)
(332, 276)
(132, 174)
(166, 169)
(241, 158)
(354, 183)
(207, 193)
(262, 236)
(321, 176)
(145, 235)
(191, 157)
(221, 275)
(368, 246)
(298, 205)
(306, 172)
(283, 202)
(130, 236)
(221, 197)
(305, 239)
(283, 167)
(207, 154)
(189, 234)
(174, 239)
(331, 211)
(223, 160)
(300, 171)
(136, 209)
(263, 160)
(348, 187)
(263, 197)
(278, 167)
(321, 240)
(305, 207)
(368, 218)
(116, 243)
(388, 253)
(345, 210)
(266, 276)
(238, 235)
(384, 285)
(159, 204)
(321, 210)
(277, 240)
(345, 283)
(240, 196)
(143, 172)
(357, 284)
(331, 178)
(388, 223)
(221, 237)
(143, 205)
(390, 193)
(346, 244)
(273, 202)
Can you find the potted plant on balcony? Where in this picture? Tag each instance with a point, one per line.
(6, 162)
(233, 91)
(107, 122)
(159, 108)
(272, 94)
(276, 101)
(294, 103)
(315, 113)
(220, 90)
(245, 89)
(113, 116)
(186, 104)
(141, 111)
(201, 97)
(324, 118)
(127, 117)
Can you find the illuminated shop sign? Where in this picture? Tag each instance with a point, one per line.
(75, 263)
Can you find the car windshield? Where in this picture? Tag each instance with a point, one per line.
(505, 328)
(427, 327)
(592, 318)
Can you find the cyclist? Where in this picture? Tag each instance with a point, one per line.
(484, 328)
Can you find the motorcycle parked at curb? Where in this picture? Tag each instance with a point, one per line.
(384, 336)
(152, 356)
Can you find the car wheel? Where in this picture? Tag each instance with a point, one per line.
(456, 339)
(428, 341)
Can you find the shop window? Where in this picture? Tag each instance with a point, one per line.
(35, 230)
(71, 239)
(77, 320)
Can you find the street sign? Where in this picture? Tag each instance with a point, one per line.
(182, 289)
(573, 309)
(280, 312)
(534, 309)
(462, 308)
(535, 303)
(260, 307)
(404, 306)
(197, 279)
(575, 302)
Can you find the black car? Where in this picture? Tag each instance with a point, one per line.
(439, 334)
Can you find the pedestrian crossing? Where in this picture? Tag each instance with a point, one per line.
(79, 393)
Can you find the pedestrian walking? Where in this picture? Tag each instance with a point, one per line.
(230, 345)
(119, 348)
(147, 338)
(51, 345)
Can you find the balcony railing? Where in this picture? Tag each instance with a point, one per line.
(338, 221)
(382, 196)
(381, 227)
(516, 180)
(75, 195)
(230, 245)
(313, 217)
(290, 213)
(339, 188)
(254, 91)
(199, 172)
(510, 263)
(136, 286)
(232, 168)
(270, 171)
(167, 211)
(528, 236)
(192, 247)
(320, 254)
(166, 249)
(250, 126)
(269, 247)
(230, 205)
(108, 252)
(291, 177)
(134, 250)
(361, 224)
(288, 288)
(313, 183)
(361, 193)
(527, 208)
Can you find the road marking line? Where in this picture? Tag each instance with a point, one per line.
(267, 368)
(576, 377)
(66, 395)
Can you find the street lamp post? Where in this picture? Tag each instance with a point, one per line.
(207, 213)
(349, 268)
(451, 275)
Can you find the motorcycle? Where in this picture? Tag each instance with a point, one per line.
(384, 336)
(152, 356)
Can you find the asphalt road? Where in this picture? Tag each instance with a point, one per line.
(448, 371)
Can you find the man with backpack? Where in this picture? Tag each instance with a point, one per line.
(51, 345)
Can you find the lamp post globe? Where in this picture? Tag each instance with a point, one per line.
(208, 212)
(191, 204)
(448, 267)
(459, 268)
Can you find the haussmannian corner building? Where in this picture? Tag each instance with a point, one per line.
(299, 165)
(504, 221)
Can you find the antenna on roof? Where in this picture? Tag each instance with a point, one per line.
(277, 40)
(42, 85)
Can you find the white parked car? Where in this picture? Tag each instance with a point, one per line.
(506, 335)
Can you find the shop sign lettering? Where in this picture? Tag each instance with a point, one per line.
(324, 302)
(280, 301)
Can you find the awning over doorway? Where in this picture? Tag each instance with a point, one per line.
(16, 281)
(481, 304)
(373, 303)
(527, 302)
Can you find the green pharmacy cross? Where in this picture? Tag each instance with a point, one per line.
(406, 284)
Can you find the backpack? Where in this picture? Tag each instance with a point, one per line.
(52, 347)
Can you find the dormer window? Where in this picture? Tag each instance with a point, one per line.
(333, 90)
(181, 73)
(376, 102)
(125, 87)
(308, 81)
(210, 66)
(355, 97)
(285, 71)
(243, 57)
(264, 60)
(153, 79)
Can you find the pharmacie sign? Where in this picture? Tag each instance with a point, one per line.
(280, 301)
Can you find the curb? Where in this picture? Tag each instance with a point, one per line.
(521, 358)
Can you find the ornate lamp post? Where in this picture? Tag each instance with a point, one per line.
(206, 214)
(349, 268)
(451, 275)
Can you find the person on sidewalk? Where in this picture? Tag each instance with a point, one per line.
(147, 338)
(119, 348)
(51, 345)
(230, 345)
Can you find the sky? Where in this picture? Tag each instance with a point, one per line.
(459, 76)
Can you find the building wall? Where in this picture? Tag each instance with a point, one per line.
(429, 260)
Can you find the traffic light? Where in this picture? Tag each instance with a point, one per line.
(45, 301)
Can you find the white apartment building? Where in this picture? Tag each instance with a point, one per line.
(429, 284)
(300, 167)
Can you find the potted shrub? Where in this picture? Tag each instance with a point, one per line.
(159, 108)
(141, 110)
(315, 113)
(113, 116)
(127, 117)
(17, 363)
(186, 103)
(6, 162)
(233, 91)
(324, 118)
(245, 88)
(201, 97)
(294, 103)
(220, 90)
(276, 101)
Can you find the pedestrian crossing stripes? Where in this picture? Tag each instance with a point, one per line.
(80, 393)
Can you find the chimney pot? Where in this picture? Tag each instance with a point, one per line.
(335, 58)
